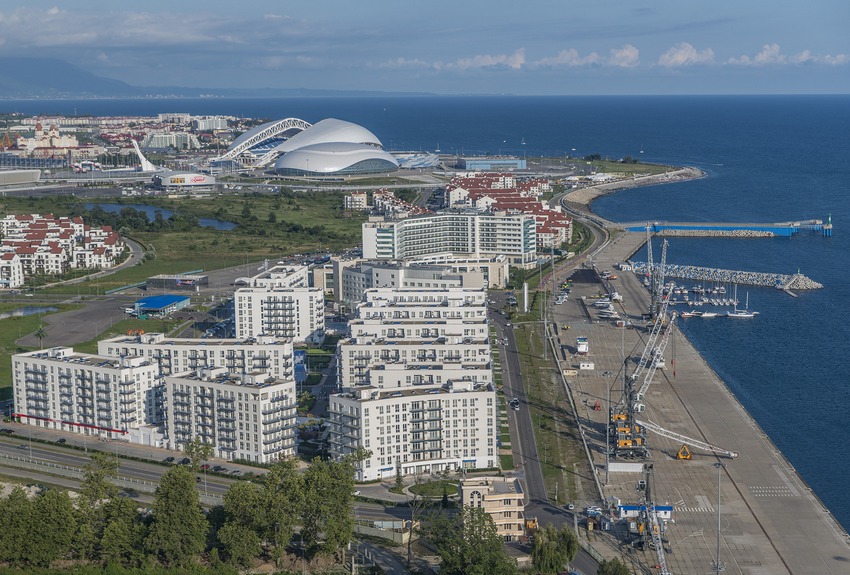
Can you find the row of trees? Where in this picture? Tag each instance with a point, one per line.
(257, 520)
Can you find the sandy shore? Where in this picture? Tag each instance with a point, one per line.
(584, 196)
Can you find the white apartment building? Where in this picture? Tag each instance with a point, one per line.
(95, 395)
(501, 498)
(11, 271)
(412, 337)
(354, 280)
(244, 417)
(416, 430)
(278, 303)
(419, 362)
(266, 355)
(295, 313)
(455, 233)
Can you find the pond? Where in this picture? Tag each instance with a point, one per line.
(27, 310)
(150, 212)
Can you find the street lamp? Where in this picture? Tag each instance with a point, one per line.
(717, 565)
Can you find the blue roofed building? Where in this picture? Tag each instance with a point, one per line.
(162, 304)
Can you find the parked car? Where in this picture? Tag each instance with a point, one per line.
(168, 460)
(219, 469)
(205, 466)
(185, 461)
(61, 440)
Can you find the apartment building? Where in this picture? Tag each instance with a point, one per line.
(83, 393)
(247, 417)
(363, 275)
(279, 303)
(416, 382)
(501, 498)
(460, 233)
(416, 430)
(263, 354)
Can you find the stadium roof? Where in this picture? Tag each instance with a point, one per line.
(336, 157)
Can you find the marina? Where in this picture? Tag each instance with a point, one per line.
(705, 457)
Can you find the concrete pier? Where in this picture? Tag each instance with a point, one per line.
(770, 520)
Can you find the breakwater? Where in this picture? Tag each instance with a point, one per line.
(671, 233)
(721, 276)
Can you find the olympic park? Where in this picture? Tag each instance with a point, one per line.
(329, 148)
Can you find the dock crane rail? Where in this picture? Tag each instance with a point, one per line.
(687, 440)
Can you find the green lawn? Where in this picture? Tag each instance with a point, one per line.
(434, 488)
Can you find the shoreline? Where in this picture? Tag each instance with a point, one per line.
(582, 199)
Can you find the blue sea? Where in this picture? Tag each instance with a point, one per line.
(768, 159)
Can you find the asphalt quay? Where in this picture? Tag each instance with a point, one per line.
(770, 520)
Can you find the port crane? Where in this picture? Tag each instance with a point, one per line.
(628, 436)
(686, 440)
(652, 529)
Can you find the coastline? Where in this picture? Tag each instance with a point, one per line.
(760, 490)
(582, 198)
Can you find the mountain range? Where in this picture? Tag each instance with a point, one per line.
(52, 78)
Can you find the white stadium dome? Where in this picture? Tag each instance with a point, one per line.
(329, 158)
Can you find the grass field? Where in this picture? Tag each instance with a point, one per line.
(268, 226)
(555, 429)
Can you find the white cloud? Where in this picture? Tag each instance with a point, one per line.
(835, 60)
(513, 61)
(625, 57)
(684, 54)
(569, 57)
(771, 54)
(407, 64)
(53, 11)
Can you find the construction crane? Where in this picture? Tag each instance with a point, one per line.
(628, 437)
(686, 440)
(653, 526)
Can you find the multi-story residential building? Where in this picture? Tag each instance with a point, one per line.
(453, 233)
(356, 201)
(279, 303)
(355, 279)
(84, 393)
(501, 498)
(416, 380)
(413, 337)
(244, 417)
(294, 313)
(267, 355)
(11, 271)
(416, 429)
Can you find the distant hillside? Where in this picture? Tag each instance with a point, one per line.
(53, 78)
(25, 78)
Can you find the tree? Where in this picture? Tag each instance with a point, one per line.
(418, 506)
(272, 217)
(123, 533)
(197, 450)
(469, 544)
(96, 489)
(244, 511)
(613, 567)
(327, 524)
(283, 501)
(52, 526)
(553, 548)
(178, 528)
(41, 335)
(15, 519)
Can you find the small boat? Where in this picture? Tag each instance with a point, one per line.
(688, 314)
(741, 313)
(708, 314)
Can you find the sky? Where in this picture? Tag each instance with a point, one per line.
(535, 47)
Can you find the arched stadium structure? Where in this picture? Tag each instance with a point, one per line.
(269, 142)
(335, 159)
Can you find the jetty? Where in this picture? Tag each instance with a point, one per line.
(716, 275)
(754, 230)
